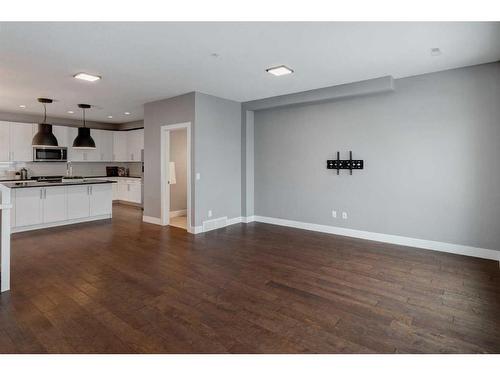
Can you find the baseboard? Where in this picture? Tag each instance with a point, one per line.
(178, 213)
(232, 221)
(248, 219)
(235, 220)
(127, 203)
(151, 220)
(60, 223)
(387, 238)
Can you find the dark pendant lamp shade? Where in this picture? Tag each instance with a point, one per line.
(44, 136)
(84, 140)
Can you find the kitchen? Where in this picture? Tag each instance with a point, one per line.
(52, 182)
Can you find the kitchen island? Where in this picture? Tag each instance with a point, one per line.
(37, 205)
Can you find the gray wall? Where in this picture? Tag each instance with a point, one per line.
(156, 114)
(430, 148)
(247, 163)
(215, 153)
(178, 154)
(217, 157)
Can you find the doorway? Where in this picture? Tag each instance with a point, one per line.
(177, 178)
(176, 175)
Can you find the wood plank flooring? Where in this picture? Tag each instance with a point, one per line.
(124, 286)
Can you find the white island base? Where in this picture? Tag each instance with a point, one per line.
(50, 206)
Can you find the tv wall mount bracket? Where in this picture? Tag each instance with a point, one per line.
(344, 164)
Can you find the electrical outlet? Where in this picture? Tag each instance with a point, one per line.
(334, 213)
(209, 213)
(344, 215)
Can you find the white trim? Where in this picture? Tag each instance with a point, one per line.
(196, 230)
(388, 238)
(165, 188)
(5, 231)
(248, 219)
(178, 213)
(151, 220)
(61, 223)
(235, 220)
(232, 221)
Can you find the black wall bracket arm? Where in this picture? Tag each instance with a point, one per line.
(339, 164)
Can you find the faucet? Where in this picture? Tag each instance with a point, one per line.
(69, 169)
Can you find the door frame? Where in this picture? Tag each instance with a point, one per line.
(165, 187)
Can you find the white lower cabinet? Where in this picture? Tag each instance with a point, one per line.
(122, 191)
(101, 200)
(134, 192)
(35, 208)
(78, 202)
(126, 189)
(27, 206)
(54, 204)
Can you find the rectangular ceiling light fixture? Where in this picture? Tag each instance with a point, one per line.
(279, 70)
(87, 77)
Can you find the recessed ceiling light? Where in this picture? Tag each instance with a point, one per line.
(71, 112)
(87, 77)
(280, 70)
(110, 116)
(435, 52)
(127, 113)
(22, 106)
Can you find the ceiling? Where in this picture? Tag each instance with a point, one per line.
(143, 62)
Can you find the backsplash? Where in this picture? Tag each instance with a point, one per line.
(7, 170)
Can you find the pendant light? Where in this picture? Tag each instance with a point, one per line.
(83, 140)
(44, 136)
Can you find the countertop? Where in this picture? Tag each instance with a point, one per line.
(32, 184)
(2, 180)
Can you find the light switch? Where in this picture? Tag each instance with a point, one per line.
(198, 176)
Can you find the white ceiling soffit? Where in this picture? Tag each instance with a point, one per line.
(143, 62)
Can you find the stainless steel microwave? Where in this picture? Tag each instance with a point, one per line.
(50, 153)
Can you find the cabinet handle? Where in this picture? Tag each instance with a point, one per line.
(41, 193)
(44, 193)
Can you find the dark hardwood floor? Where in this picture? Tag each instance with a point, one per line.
(124, 286)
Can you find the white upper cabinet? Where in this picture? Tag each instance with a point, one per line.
(94, 155)
(73, 153)
(119, 146)
(4, 141)
(127, 145)
(15, 141)
(104, 144)
(21, 135)
(135, 143)
(61, 134)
